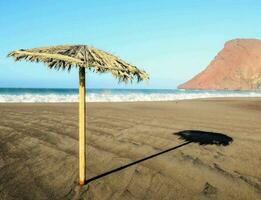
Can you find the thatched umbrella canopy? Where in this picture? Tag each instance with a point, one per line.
(68, 56)
(81, 56)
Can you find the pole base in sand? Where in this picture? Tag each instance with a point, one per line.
(81, 182)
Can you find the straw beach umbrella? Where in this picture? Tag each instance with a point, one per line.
(81, 56)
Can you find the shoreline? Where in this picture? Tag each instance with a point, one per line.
(160, 101)
(117, 95)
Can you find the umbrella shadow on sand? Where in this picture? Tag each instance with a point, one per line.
(189, 136)
(204, 138)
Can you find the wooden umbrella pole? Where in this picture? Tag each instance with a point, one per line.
(82, 127)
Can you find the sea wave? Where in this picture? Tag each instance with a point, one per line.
(121, 96)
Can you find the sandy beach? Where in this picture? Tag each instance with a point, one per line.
(39, 150)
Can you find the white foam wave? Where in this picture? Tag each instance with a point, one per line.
(119, 97)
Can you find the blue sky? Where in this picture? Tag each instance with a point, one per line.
(171, 39)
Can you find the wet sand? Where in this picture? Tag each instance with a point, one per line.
(39, 150)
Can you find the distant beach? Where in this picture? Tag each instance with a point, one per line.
(45, 95)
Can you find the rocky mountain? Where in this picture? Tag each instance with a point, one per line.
(236, 67)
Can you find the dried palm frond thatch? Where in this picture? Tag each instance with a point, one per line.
(68, 56)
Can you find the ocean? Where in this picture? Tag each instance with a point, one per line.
(113, 95)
